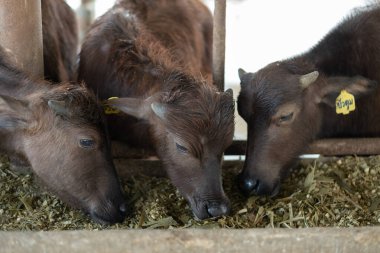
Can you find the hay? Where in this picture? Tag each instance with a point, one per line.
(341, 192)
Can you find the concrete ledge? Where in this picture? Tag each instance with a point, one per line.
(312, 240)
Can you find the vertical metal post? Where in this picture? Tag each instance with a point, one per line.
(21, 33)
(219, 36)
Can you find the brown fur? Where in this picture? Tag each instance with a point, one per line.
(156, 55)
(34, 133)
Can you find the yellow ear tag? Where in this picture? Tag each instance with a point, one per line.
(109, 109)
(345, 103)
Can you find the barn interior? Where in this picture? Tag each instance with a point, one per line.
(332, 196)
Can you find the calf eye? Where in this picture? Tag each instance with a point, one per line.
(180, 148)
(286, 117)
(87, 143)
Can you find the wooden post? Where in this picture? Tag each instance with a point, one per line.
(219, 34)
(21, 34)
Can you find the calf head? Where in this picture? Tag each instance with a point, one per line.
(61, 134)
(192, 126)
(283, 107)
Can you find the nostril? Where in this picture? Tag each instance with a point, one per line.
(250, 184)
(123, 208)
(218, 209)
(247, 185)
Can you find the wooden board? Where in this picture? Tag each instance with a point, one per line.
(350, 240)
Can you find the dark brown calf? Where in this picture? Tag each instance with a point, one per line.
(157, 55)
(60, 40)
(59, 131)
(289, 103)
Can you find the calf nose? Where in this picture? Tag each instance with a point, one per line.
(247, 185)
(109, 213)
(217, 209)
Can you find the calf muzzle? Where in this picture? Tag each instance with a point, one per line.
(253, 186)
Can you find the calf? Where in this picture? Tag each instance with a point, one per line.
(289, 103)
(60, 40)
(156, 55)
(59, 131)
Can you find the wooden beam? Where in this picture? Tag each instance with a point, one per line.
(219, 35)
(21, 34)
(307, 240)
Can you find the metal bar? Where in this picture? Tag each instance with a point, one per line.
(219, 35)
(326, 147)
(122, 150)
(144, 162)
(21, 34)
(336, 147)
(128, 168)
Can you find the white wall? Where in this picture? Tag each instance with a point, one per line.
(260, 32)
(101, 6)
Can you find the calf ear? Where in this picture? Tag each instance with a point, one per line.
(228, 99)
(229, 93)
(140, 108)
(13, 113)
(132, 106)
(358, 86)
(241, 73)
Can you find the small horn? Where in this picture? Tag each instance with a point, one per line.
(59, 107)
(159, 109)
(241, 72)
(308, 79)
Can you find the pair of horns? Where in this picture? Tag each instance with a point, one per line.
(305, 80)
